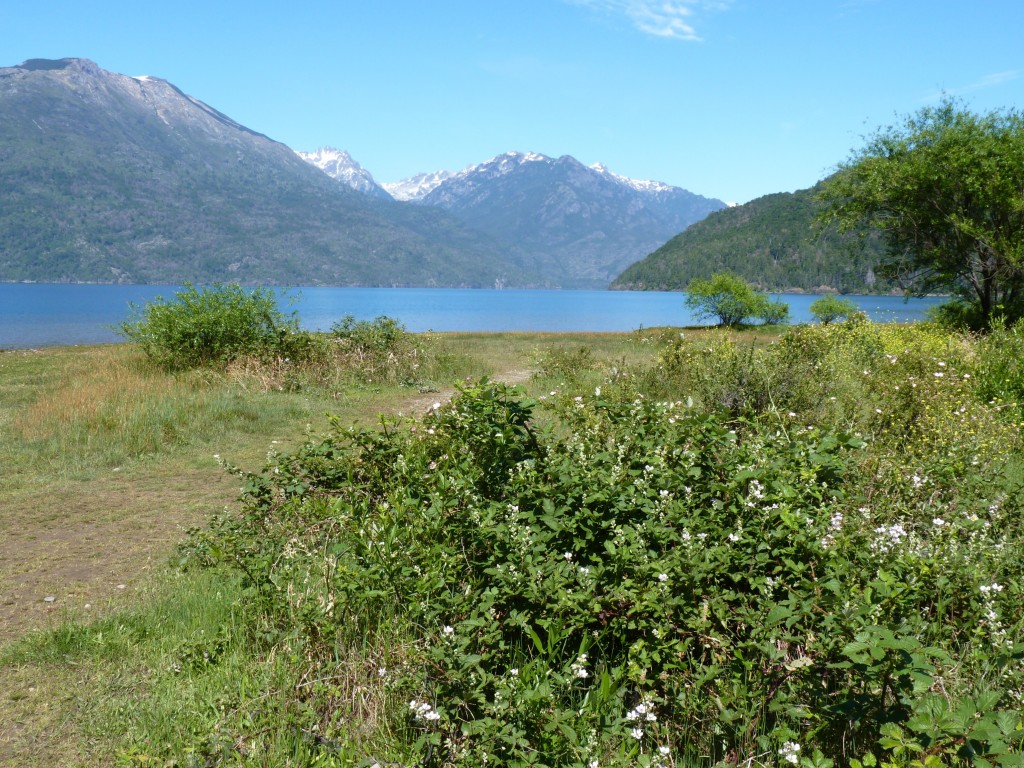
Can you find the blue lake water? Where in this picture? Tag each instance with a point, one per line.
(35, 315)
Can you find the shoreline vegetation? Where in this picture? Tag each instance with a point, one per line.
(671, 547)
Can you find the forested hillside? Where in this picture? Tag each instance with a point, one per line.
(771, 242)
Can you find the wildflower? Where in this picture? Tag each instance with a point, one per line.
(664, 750)
(938, 522)
(436, 407)
(790, 752)
(448, 631)
(423, 711)
(579, 667)
(514, 672)
(734, 537)
(597, 391)
(637, 733)
(567, 555)
(662, 577)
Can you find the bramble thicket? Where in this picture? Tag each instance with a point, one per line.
(806, 552)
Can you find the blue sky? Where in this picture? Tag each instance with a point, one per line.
(728, 98)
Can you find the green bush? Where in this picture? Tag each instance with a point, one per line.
(380, 350)
(213, 326)
(732, 300)
(647, 583)
(830, 308)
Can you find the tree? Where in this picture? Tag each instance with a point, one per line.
(946, 190)
(830, 308)
(732, 300)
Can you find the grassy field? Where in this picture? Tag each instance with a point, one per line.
(855, 492)
(109, 461)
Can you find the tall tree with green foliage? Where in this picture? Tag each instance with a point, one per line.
(946, 189)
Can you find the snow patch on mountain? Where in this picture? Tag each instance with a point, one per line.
(417, 187)
(640, 185)
(338, 164)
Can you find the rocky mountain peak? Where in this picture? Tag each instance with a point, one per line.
(338, 164)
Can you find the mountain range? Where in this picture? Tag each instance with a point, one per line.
(574, 225)
(110, 178)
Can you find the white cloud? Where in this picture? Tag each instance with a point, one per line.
(661, 18)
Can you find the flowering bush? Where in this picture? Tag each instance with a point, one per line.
(651, 583)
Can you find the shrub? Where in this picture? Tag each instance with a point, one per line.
(732, 300)
(565, 364)
(379, 350)
(642, 577)
(212, 327)
(830, 308)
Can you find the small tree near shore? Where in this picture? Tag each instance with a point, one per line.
(830, 308)
(732, 300)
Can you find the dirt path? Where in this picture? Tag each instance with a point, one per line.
(83, 549)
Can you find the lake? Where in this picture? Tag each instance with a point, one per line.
(36, 314)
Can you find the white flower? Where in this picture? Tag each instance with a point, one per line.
(664, 750)
(514, 672)
(662, 577)
(579, 667)
(597, 391)
(423, 711)
(436, 407)
(790, 752)
(938, 522)
(637, 733)
(734, 537)
(448, 631)
(567, 555)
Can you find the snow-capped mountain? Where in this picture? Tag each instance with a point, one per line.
(418, 187)
(637, 184)
(338, 164)
(579, 226)
(575, 226)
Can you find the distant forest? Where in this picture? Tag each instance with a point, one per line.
(770, 242)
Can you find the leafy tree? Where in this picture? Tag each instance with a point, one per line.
(946, 189)
(732, 300)
(830, 308)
